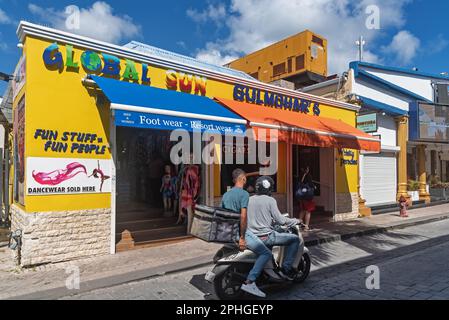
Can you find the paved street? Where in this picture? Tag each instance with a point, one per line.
(413, 264)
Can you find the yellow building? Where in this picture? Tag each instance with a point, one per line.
(300, 59)
(92, 142)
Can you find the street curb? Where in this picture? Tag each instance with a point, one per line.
(202, 261)
(115, 280)
(375, 230)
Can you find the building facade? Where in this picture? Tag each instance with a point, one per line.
(300, 59)
(92, 142)
(407, 109)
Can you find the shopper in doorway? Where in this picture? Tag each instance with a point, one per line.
(306, 203)
(167, 189)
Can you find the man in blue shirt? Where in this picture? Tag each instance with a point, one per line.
(237, 200)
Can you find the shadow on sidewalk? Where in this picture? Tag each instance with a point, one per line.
(377, 255)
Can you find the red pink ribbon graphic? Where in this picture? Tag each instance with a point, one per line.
(59, 176)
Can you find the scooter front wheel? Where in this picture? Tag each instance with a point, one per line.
(303, 269)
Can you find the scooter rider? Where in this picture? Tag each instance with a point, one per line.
(260, 236)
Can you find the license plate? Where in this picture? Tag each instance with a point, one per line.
(210, 276)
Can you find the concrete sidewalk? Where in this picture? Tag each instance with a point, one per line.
(49, 282)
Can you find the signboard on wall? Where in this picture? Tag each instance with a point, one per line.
(367, 122)
(55, 176)
(164, 122)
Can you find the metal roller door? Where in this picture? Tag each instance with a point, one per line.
(379, 179)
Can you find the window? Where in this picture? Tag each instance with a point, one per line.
(441, 93)
(300, 62)
(289, 62)
(255, 75)
(433, 162)
(433, 122)
(278, 69)
(227, 169)
(318, 40)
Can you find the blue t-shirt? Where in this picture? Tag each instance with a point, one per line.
(235, 199)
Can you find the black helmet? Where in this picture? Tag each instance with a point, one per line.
(264, 185)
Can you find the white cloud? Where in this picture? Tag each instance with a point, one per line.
(181, 44)
(3, 45)
(98, 21)
(213, 13)
(404, 47)
(254, 24)
(213, 54)
(4, 18)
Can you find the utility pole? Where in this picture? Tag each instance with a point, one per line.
(360, 44)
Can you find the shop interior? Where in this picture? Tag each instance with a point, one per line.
(150, 188)
(320, 163)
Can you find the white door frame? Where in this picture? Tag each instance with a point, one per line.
(335, 160)
(113, 148)
(289, 180)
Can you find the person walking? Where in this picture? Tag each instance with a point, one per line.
(306, 203)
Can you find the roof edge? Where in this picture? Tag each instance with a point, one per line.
(30, 29)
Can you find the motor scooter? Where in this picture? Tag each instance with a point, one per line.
(232, 268)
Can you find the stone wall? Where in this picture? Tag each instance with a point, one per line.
(347, 206)
(52, 237)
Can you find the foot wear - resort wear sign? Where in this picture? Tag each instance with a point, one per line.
(53, 176)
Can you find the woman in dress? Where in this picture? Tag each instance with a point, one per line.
(307, 206)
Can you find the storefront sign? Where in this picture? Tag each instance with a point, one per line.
(275, 100)
(367, 122)
(56, 176)
(70, 142)
(347, 157)
(103, 64)
(163, 122)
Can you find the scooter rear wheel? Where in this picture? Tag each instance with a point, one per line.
(303, 269)
(227, 285)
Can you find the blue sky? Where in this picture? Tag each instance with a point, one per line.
(412, 32)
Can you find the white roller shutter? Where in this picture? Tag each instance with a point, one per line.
(379, 179)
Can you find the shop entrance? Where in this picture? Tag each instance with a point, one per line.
(148, 187)
(320, 161)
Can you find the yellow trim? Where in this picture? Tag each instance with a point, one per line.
(58, 101)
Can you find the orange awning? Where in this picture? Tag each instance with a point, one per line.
(302, 129)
